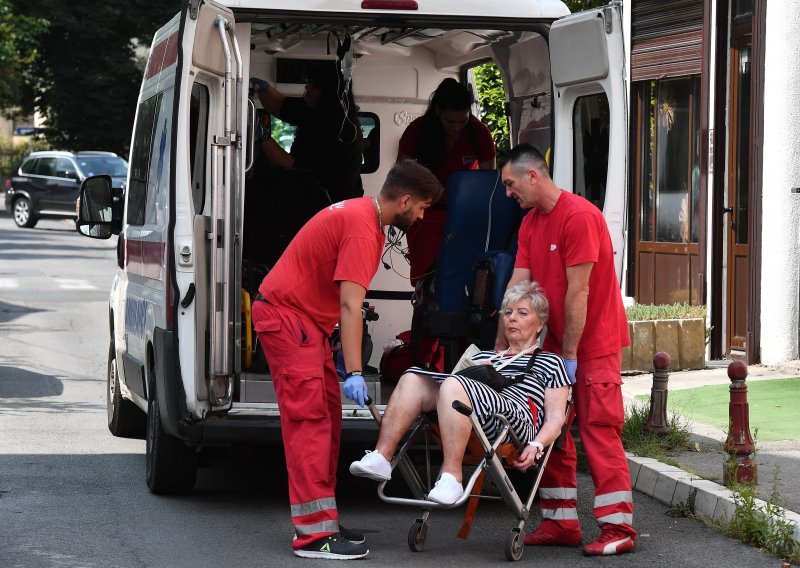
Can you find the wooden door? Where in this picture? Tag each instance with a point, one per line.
(737, 204)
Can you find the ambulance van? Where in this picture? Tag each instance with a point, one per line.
(183, 370)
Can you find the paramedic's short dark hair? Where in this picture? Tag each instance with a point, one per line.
(410, 177)
(523, 157)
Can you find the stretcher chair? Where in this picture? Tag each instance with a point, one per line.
(488, 457)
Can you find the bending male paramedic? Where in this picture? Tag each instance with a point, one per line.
(321, 279)
(565, 245)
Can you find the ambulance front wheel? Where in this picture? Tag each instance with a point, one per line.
(124, 417)
(514, 545)
(170, 465)
(416, 536)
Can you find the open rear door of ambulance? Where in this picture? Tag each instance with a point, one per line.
(206, 210)
(587, 65)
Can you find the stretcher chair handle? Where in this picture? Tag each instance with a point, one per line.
(459, 406)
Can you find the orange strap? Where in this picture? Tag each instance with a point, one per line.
(472, 507)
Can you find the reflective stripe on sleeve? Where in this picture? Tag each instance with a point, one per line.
(324, 504)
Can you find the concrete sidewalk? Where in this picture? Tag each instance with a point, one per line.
(701, 467)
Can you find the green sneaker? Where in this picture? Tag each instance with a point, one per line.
(333, 547)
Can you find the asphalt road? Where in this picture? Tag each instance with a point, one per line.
(73, 496)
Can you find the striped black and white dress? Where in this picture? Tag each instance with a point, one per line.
(548, 371)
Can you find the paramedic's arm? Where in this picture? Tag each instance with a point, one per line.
(271, 99)
(488, 164)
(517, 276)
(555, 406)
(276, 155)
(575, 305)
(351, 298)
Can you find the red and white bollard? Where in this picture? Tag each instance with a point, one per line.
(739, 446)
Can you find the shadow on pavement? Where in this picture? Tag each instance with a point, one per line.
(21, 383)
(10, 312)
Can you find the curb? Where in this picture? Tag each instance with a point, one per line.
(671, 485)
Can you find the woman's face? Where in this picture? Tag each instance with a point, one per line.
(453, 121)
(521, 322)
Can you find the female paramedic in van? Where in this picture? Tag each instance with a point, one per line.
(545, 387)
(328, 139)
(445, 139)
(320, 280)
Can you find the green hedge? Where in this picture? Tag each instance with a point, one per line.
(11, 154)
(643, 312)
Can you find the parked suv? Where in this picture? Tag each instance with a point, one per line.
(47, 183)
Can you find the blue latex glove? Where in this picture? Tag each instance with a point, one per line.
(355, 388)
(258, 84)
(572, 367)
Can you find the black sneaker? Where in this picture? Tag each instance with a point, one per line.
(333, 547)
(353, 536)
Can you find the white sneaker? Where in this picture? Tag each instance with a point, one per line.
(446, 491)
(373, 465)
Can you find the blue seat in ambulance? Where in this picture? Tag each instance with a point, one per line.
(475, 261)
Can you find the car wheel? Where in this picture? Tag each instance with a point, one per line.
(125, 419)
(170, 465)
(23, 213)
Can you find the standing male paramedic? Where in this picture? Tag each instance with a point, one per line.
(564, 244)
(321, 279)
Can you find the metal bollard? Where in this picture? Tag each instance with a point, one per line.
(657, 418)
(739, 446)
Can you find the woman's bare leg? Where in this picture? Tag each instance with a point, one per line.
(454, 426)
(413, 395)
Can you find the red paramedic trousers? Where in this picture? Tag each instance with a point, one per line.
(597, 397)
(307, 389)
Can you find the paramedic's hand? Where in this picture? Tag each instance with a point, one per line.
(355, 388)
(572, 368)
(258, 84)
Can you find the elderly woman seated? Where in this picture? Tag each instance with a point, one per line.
(524, 313)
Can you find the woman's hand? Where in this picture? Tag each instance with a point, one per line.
(527, 458)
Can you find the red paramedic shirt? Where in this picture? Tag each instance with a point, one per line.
(341, 242)
(575, 232)
(471, 148)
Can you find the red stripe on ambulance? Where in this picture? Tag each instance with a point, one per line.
(163, 55)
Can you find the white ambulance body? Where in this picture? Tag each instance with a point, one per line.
(178, 319)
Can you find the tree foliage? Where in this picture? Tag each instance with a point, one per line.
(491, 94)
(492, 100)
(578, 5)
(86, 79)
(18, 51)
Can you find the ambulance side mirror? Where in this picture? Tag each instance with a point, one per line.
(95, 208)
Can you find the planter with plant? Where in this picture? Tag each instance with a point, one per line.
(677, 329)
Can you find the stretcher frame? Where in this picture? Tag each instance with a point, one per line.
(491, 463)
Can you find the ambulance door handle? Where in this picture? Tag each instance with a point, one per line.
(252, 112)
(189, 297)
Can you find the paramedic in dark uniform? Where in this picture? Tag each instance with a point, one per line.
(320, 280)
(564, 244)
(328, 140)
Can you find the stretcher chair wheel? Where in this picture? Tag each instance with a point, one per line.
(514, 545)
(416, 535)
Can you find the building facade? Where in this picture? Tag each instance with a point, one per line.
(714, 143)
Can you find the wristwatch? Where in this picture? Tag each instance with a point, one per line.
(539, 446)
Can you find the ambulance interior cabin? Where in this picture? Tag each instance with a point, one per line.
(396, 65)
